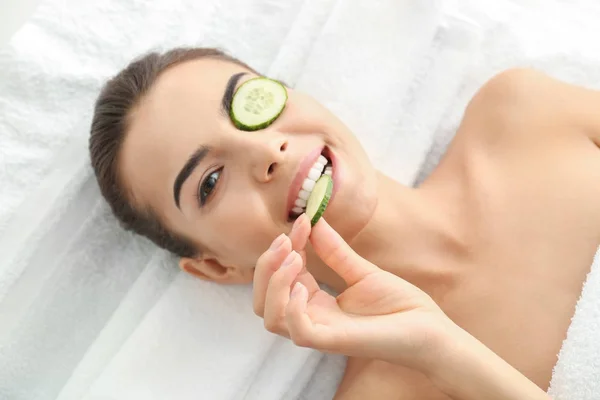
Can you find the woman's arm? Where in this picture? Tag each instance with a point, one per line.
(467, 369)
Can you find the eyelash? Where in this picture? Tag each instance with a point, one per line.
(199, 193)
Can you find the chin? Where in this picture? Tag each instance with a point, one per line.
(355, 195)
(355, 201)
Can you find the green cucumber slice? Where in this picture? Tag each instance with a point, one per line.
(319, 198)
(257, 103)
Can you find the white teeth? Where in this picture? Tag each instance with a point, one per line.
(304, 195)
(318, 166)
(314, 174)
(308, 185)
(300, 203)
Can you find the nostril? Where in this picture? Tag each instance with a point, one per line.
(283, 146)
(271, 169)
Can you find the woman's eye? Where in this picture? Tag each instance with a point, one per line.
(208, 185)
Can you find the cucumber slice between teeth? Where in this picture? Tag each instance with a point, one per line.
(257, 103)
(319, 198)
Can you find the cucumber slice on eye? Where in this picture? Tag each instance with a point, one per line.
(257, 103)
(319, 198)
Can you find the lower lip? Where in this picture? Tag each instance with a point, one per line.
(335, 174)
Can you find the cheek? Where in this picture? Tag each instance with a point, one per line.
(243, 231)
(304, 115)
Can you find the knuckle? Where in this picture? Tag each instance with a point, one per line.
(271, 325)
(340, 258)
(341, 254)
(258, 310)
(302, 340)
(262, 261)
(278, 278)
(336, 255)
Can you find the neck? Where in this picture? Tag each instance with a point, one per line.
(411, 233)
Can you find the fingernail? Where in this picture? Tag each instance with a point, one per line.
(289, 259)
(277, 242)
(297, 222)
(295, 289)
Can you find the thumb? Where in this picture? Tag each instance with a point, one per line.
(338, 255)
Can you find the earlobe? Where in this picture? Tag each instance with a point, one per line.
(212, 270)
(204, 269)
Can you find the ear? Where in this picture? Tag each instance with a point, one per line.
(212, 270)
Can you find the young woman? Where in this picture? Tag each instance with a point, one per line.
(498, 240)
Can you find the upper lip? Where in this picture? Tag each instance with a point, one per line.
(301, 174)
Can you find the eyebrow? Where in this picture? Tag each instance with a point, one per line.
(189, 167)
(229, 91)
(197, 157)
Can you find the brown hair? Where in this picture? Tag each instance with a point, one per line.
(119, 96)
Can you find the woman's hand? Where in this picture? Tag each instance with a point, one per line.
(379, 315)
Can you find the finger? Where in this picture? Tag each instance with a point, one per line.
(298, 322)
(278, 293)
(300, 233)
(266, 266)
(301, 328)
(338, 255)
(299, 237)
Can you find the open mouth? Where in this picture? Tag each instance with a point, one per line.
(323, 166)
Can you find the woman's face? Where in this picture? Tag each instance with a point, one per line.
(229, 190)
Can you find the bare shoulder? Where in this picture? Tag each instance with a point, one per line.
(373, 379)
(514, 96)
(523, 102)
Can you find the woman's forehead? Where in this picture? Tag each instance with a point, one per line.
(184, 96)
(179, 113)
(207, 77)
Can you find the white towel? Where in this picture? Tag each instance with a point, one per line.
(577, 372)
(14, 14)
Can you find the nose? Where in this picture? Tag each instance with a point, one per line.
(266, 156)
